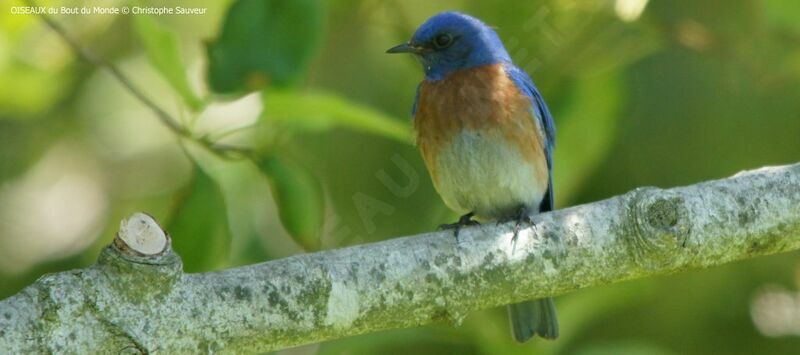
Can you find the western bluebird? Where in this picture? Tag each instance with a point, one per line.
(486, 136)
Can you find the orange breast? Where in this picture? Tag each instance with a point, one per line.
(480, 99)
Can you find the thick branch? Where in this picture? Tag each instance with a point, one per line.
(135, 301)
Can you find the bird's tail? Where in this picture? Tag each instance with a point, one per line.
(533, 317)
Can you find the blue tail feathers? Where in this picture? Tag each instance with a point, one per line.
(533, 317)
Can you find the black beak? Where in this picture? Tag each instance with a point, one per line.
(405, 48)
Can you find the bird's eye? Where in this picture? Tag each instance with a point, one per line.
(443, 40)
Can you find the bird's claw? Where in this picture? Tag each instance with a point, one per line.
(522, 217)
(463, 221)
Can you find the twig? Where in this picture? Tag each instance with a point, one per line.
(163, 116)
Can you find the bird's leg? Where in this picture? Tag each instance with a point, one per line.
(522, 216)
(463, 221)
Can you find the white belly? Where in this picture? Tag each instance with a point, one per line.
(478, 172)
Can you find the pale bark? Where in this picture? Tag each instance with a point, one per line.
(137, 299)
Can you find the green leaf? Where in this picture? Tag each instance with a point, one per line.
(163, 51)
(320, 111)
(199, 225)
(264, 42)
(298, 196)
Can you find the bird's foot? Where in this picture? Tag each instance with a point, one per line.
(463, 221)
(521, 217)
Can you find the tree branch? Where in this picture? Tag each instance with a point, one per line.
(137, 298)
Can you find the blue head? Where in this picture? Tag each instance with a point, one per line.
(450, 41)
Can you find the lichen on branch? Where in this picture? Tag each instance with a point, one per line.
(136, 298)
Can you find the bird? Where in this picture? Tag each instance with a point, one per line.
(486, 136)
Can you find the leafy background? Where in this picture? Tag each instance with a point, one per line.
(660, 93)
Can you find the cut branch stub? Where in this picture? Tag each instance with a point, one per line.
(141, 255)
(140, 235)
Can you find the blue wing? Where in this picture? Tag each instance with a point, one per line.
(545, 122)
(540, 110)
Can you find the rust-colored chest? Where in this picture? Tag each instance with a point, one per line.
(481, 142)
(481, 99)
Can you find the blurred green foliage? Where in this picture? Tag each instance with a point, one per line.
(321, 111)
(208, 247)
(264, 42)
(163, 50)
(298, 196)
(673, 93)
